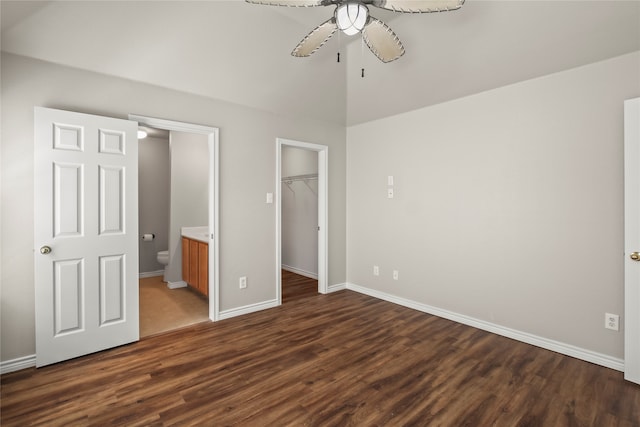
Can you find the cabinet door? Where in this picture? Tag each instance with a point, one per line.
(203, 268)
(193, 264)
(185, 260)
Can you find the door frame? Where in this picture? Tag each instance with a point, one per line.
(212, 134)
(323, 223)
(632, 239)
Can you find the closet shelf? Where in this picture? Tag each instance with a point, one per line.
(307, 177)
(288, 180)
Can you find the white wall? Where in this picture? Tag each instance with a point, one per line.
(300, 212)
(247, 172)
(154, 172)
(508, 204)
(189, 193)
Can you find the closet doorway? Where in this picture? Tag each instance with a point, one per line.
(301, 211)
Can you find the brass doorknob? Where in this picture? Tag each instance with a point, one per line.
(635, 256)
(45, 250)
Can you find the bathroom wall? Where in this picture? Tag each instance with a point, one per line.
(189, 193)
(154, 174)
(300, 213)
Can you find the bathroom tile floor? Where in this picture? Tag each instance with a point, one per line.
(163, 309)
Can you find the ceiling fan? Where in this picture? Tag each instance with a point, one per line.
(352, 17)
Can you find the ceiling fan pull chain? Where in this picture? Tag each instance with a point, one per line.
(362, 55)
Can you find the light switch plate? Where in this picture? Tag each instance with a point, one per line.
(269, 198)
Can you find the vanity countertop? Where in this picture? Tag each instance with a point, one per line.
(200, 234)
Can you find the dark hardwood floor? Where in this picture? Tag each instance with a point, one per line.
(322, 360)
(296, 287)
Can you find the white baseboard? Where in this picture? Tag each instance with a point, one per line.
(251, 308)
(558, 347)
(151, 274)
(17, 364)
(336, 287)
(304, 273)
(176, 285)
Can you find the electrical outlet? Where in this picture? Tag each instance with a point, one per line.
(376, 270)
(612, 321)
(243, 282)
(395, 274)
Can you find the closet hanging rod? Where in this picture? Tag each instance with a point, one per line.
(306, 177)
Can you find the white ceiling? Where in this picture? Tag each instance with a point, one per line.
(238, 52)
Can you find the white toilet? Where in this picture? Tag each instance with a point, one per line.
(163, 258)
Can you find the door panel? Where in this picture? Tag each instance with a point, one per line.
(86, 224)
(111, 200)
(67, 199)
(68, 137)
(112, 289)
(67, 299)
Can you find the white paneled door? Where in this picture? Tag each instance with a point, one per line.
(86, 234)
(632, 240)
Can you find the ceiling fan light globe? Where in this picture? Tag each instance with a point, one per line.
(351, 17)
(350, 31)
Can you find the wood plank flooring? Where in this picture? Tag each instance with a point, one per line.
(342, 359)
(296, 287)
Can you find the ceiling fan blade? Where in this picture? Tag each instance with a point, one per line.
(419, 6)
(316, 38)
(382, 41)
(290, 3)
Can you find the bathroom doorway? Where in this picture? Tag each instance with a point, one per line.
(178, 193)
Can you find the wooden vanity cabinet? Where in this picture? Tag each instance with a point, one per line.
(195, 264)
(203, 268)
(185, 260)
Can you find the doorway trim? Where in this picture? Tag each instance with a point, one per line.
(323, 223)
(632, 239)
(214, 186)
